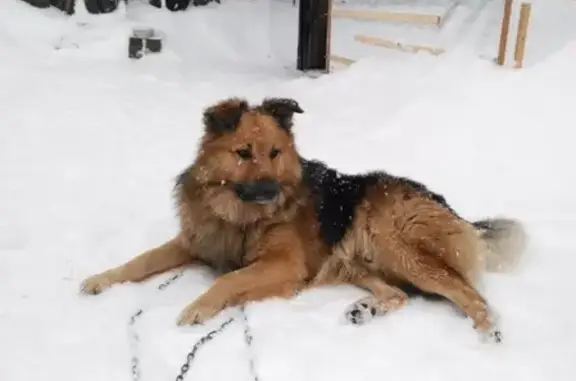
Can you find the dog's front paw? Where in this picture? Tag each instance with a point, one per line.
(362, 311)
(199, 312)
(489, 329)
(96, 284)
(491, 335)
(495, 335)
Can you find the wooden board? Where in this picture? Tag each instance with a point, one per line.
(385, 43)
(365, 15)
(341, 60)
(449, 12)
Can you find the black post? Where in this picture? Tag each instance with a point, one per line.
(313, 22)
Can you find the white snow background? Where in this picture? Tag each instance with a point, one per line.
(90, 143)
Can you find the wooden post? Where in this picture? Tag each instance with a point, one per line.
(504, 30)
(523, 23)
(341, 60)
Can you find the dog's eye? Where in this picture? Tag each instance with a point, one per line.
(244, 153)
(274, 152)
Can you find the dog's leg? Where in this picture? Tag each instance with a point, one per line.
(263, 279)
(280, 290)
(278, 272)
(384, 298)
(432, 275)
(170, 255)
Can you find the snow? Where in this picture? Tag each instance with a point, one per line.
(90, 143)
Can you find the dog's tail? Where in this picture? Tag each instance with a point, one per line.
(504, 240)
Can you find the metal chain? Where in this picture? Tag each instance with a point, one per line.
(190, 356)
(133, 334)
(135, 338)
(170, 280)
(248, 337)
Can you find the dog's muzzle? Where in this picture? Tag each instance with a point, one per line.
(259, 192)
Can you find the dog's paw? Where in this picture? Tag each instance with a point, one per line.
(495, 335)
(492, 335)
(488, 327)
(96, 284)
(362, 311)
(198, 312)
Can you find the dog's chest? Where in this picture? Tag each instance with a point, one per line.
(220, 245)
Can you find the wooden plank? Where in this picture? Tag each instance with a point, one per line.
(385, 43)
(504, 31)
(449, 12)
(341, 60)
(365, 15)
(519, 51)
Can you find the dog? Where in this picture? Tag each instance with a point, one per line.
(273, 223)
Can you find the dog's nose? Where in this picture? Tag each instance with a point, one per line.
(259, 191)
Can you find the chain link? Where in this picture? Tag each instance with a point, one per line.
(133, 334)
(248, 337)
(190, 356)
(135, 338)
(170, 280)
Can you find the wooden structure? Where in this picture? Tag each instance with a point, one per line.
(504, 31)
(385, 43)
(521, 36)
(433, 20)
(523, 22)
(387, 16)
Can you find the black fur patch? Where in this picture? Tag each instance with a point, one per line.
(224, 116)
(337, 195)
(413, 291)
(419, 187)
(282, 109)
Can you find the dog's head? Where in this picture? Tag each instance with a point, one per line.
(247, 162)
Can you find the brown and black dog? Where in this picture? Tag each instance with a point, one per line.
(273, 223)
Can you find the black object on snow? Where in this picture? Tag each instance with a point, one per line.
(38, 3)
(181, 5)
(135, 47)
(101, 6)
(93, 6)
(107, 6)
(64, 5)
(144, 41)
(313, 35)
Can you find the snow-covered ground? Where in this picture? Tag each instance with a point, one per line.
(90, 143)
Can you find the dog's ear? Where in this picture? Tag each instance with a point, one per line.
(282, 109)
(225, 115)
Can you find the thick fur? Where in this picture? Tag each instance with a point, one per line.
(400, 236)
(505, 240)
(389, 235)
